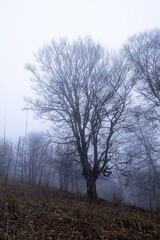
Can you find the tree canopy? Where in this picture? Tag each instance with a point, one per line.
(82, 86)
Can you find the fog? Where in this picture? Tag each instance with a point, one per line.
(26, 25)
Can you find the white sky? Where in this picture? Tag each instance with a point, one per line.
(26, 24)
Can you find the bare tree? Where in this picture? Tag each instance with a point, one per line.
(6, 158)
(142, 153)
(17, 156)
(37, 157)
(143, 52)
(82, 88)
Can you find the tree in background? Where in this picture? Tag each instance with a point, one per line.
(32, 160)
(143, 53)
(141, 151)
(6, 159)
(143, 56)
(82, 88)
(36, 149)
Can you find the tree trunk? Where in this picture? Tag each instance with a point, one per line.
(91, 185)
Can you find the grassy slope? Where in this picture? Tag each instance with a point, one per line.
(31, 214)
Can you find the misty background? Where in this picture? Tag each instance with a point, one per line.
(26, 25)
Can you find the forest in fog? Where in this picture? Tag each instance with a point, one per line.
(103, 111)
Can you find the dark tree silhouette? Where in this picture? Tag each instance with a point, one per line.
(83, 88)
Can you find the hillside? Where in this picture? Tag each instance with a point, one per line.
(29, 213)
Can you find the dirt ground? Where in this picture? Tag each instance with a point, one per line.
(34, 214)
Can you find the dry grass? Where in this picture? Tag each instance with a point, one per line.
(27, 213)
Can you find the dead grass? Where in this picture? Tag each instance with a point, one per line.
(28, 213)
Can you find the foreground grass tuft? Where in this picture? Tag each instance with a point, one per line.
(28, 213)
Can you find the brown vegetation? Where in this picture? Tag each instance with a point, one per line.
(29, 213)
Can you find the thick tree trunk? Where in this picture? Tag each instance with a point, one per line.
(91, 186)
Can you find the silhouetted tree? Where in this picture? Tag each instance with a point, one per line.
(82, 88)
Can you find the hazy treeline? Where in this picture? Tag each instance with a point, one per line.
(34, 160)
(105, 112)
